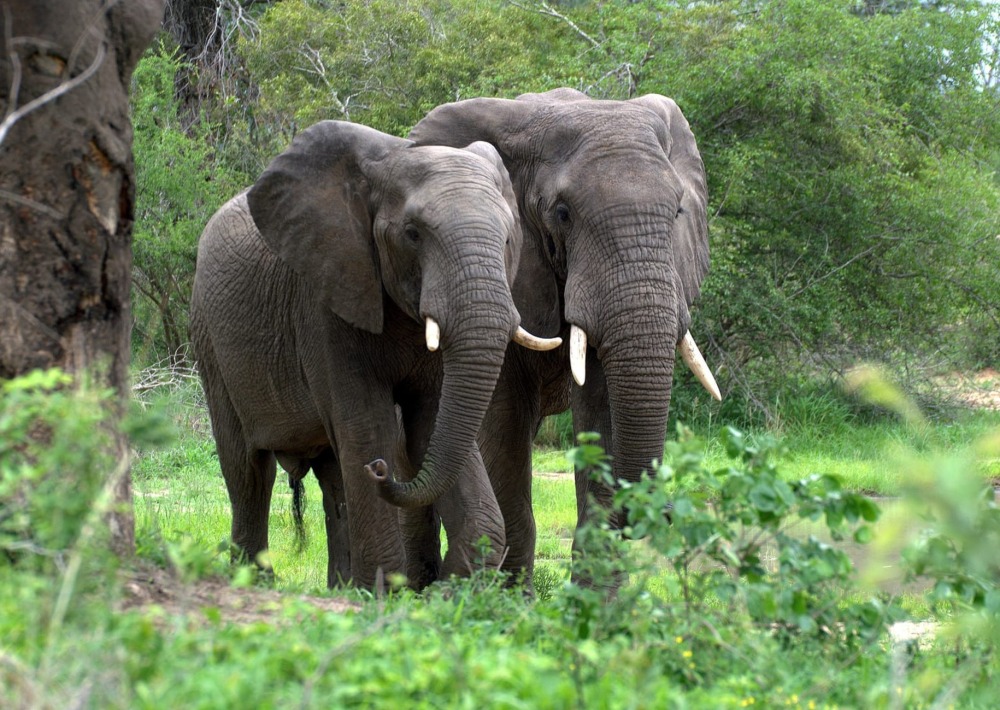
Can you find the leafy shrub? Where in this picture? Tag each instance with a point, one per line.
(180, 183)
(956, 553)
(54, 459)
(556, 431)
(740, 578)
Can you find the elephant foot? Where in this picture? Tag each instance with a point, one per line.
(260, 563)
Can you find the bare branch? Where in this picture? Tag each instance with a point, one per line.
(53, 94)
(544, 8)
(844, 265)
(31, 204)
(15, 62)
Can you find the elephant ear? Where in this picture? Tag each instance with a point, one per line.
(496, 121)
(691, 230)
(312, 208)
(500, 123)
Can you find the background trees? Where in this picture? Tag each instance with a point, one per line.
(851, 148)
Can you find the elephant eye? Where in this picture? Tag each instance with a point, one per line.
(412, 234)
(680, 211)
(562, 213)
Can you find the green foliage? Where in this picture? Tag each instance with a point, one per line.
(957, 547)
(738, 567)
(742, 598)
(852, 208)
(54, 460)
(556, 431)
(386, 63)
(180, 182)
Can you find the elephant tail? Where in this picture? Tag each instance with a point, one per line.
(298, 511)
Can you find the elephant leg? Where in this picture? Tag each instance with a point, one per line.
(421, 527)
(249, 475)
(368, 433)
(470, 513)
(505, 442)
(468, 510)
(338, 538)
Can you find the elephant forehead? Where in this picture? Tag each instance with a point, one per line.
(589, 123)
(429, 163)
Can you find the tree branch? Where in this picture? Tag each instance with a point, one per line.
(545, 9)
(827, 275)
(31, 204)
(53, 94)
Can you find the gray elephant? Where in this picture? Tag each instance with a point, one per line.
(612, 198)
(361, 276)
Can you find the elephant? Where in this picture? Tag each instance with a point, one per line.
(612, 198)
(355, 296)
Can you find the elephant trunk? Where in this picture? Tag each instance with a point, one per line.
(639, 370)
(472, 358)
(634, 331)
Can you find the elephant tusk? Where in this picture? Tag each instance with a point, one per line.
(578, 354)
(433, 334)
(533, 342)
(693, 359)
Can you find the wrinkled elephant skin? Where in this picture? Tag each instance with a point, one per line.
(612, 197)
(311, 295)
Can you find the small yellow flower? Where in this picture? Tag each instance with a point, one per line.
(794, 699)
(812, 705)
(679, 639)
(687, 654)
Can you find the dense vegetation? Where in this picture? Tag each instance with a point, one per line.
(851, 151)
(749, 597)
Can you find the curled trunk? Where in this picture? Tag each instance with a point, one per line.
(472, 362)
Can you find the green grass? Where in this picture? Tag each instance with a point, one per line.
(180, 495)
(472, 643)
(866, 457)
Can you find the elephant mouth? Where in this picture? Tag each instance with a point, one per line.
(688, 349)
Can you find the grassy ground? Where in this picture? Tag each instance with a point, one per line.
(707, 618)
(181, 499)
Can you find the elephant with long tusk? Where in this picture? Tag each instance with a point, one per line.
(612, 198)
(358, 294)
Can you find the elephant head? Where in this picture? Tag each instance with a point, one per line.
(372, 222)
(612, 197)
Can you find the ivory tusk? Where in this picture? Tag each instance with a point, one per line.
(578, 354)
(533, 342)
(432, 334)
(693, 359)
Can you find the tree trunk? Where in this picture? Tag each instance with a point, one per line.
(67, 195)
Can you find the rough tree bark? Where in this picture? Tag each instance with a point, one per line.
(67, 194)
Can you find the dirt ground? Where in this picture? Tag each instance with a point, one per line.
(980, 390)
(148, 586)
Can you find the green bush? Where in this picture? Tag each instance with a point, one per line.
(54, 460)
(180, 182)
(725, 604)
